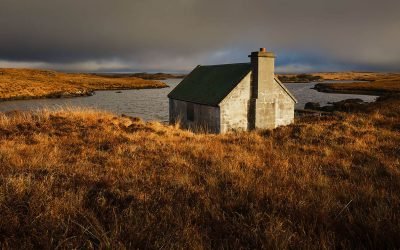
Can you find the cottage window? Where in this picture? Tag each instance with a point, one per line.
(190, 111)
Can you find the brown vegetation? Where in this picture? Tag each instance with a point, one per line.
(380, 86)
(372, 83)
(300, 78)
(344, 76)
(84, 179)
(158, 76)
(28, 84)
(353, 76)
(144, 75)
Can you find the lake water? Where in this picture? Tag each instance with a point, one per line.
(304, 93)
(152, 104)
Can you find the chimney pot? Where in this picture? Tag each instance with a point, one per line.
(263, 50)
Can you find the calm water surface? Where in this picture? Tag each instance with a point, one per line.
(304, 93)
(152, 104)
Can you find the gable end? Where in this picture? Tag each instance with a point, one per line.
(285, 89)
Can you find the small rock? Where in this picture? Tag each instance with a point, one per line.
(312, 105)
(328, 108)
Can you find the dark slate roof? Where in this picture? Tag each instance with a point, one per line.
(209, 85)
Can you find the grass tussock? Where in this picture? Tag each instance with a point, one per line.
(29, 83)
(81, 178)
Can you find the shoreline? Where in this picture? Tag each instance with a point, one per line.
(375, 84)
(29, 84)
(74, 95)
(144, 75)
(325, 89)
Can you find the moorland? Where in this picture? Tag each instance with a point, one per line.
(79, 178)
(31, 84)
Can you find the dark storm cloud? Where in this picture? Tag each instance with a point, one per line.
(178, 34)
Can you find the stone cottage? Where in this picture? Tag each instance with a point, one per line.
(241, 96)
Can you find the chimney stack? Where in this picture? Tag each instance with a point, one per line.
(263, 68)
(262, 87)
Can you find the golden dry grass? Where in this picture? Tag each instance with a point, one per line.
(378, 87)
(376, 83)
(29, 83)
(85, 179)
(349, 76)
(352, 75)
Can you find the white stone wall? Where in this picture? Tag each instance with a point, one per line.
(234, 108)
(286, 111)
(206, 118)
(274, 107)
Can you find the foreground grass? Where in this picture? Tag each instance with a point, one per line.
(29, 83)
(81, 178)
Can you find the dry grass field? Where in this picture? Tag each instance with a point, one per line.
(353, 76)
(158, 76)
(347, 76)
(375, 83)
(29, 83)
(89, 179)
(378, 87)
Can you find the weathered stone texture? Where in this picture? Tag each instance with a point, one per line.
(273, 105)
(274, 108)
(206, 118)
(234, 108)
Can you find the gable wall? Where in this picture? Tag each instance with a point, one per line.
(206, 118)
(286, 107)
(274, 107)
(234, 108)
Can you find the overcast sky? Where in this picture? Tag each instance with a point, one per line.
(177, 35)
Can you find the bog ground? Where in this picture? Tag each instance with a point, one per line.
(81, 178)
